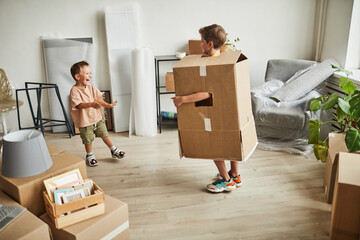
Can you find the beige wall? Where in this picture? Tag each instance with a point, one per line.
(267, 29)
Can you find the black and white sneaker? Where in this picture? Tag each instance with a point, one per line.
(117, 153)
(91, 161)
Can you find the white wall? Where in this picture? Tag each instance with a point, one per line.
(267, 29)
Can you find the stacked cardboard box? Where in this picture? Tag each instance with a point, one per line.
(114, 224)
(221, 127)
(28, 191)
(345, 216)
(336, 145)
(24, 227)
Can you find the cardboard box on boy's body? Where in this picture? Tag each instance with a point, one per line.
(114, 224)
(336, 144)
(25, 227)
(221, 127)
(28, 191)
(345, 214)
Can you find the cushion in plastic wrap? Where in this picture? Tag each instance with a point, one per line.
(291, 118)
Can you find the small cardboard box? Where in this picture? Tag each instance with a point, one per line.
(28, 191)
(221, 127)
(336, 144)
(114, 224)
(345, 215)
(81, 209)
(24, 227)
(195, 47)
(169, 82)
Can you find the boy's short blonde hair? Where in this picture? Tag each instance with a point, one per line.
(76, 68)
(214, 33)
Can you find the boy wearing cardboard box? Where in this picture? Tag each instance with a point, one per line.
(212, 38)
(85, 103)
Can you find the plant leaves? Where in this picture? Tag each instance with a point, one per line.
(344, 105)
(340, 115)
(330, 103)
(321, 151)
(315, 104)
(314, 131)
(354, 103)
(352, 139)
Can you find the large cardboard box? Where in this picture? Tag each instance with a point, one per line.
(345, 215)
(195, 47)
(25, 227)
(336, 145)
(28, 191)
(114, 224)
(221, 127)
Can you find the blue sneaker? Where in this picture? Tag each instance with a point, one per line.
(236, 179)
(221, 185)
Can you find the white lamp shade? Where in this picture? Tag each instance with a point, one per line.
(25, 154)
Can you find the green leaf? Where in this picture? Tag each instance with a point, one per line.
(314, 131)
(345, 106)
(352, 139)
(330, 103)
(354, 103)
(315, 104)
(340, 115)
(340, 69)
(321, 151)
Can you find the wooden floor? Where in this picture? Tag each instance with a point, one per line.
(281, 197)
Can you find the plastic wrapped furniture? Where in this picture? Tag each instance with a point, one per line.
(278, 116)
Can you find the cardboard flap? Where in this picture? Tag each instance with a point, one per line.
(181, 155)
(249, 140)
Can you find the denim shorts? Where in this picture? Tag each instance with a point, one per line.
(88, 133)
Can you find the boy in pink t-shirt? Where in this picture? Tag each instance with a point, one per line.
(86, 101)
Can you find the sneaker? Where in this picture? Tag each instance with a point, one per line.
(221, 185)
(117, 153)
(237, 179)
(91, 161)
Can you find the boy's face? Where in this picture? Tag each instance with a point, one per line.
(84, 77)
(206, 46)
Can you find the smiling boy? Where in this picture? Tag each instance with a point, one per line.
(86, 101)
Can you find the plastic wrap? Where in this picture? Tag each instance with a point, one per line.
(59, 56)
(143, 104)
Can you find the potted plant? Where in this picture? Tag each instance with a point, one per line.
(228, 45)
(347, 116)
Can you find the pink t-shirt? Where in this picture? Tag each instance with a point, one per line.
(86, 116)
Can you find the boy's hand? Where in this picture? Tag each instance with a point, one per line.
(111, 105)
(178, 101)
(95, 105)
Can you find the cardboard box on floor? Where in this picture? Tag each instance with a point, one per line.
(221, 127)
(336, 144)
(345, 215)
(114, 224)
(25, 227)
(28, 191)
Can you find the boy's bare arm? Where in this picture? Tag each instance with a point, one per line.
(195, 97)
(105, 104)
(88, 105)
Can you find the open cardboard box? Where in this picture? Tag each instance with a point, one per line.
(222, 127)
(25, 227)
(28, 191)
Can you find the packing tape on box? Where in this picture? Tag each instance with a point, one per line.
(117, 231)
(203, 71)
(207, 123)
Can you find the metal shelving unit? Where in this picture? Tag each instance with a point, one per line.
(161, 89)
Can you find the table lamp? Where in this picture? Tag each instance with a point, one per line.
(25, 154)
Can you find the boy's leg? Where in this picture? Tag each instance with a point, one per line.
(234, 168)
(87, 136)
(222, 169)
(88, 148)
(108, 141)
